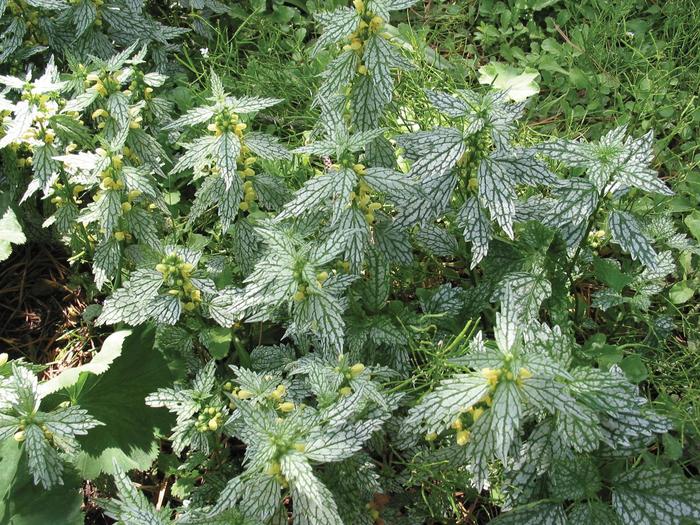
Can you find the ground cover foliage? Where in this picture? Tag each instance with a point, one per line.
(379, 262)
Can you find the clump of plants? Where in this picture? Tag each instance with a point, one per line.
(391, 334)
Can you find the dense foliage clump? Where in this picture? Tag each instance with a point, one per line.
(379, 318)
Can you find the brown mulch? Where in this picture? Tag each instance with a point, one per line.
(40, 310)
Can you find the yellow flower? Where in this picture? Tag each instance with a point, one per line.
(357, 369)
(462, 437)
(524, 373)
(491, 375)
(376, 23)
(244, 394)
(286, 407)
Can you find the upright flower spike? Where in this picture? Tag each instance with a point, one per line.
(226, 156)
(287, 441)
(286, 275)
(355, 195)
(200, 409)
(614, 165)
(42, 434)
(172, 288)
(363, 64)
(475, 156)
(33, 122)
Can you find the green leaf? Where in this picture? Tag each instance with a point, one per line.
(10, 232)
(99, 364)
(116, 398)
(21, 503)
(217, 340)
(608, 271)
(692, 221)
(519, 84)
(634, 368)
(681, 292)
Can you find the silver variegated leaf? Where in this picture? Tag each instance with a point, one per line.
(106, 261)
(650, 496)
(627, 232)
(477, 229)
(266, 146)
(336, 25)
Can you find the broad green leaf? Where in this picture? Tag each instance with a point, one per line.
(519, 85)
(217, 340)
(99, 364)
(117, 399)
(10, 232)
(681, 292)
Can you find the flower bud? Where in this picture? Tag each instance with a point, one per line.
(286, 407)
(462, 437)
(244, 394)
(357, 369)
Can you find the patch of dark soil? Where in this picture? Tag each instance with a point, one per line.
(40, 311)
